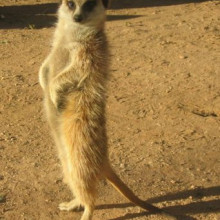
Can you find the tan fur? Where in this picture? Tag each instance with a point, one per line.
(73, 78)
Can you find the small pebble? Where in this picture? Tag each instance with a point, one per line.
(183, 56)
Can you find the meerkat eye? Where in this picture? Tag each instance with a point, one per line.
(89, 5)
(71, 4)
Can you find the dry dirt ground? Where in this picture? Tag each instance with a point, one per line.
(163, 111)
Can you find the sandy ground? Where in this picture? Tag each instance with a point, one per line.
(163, 111)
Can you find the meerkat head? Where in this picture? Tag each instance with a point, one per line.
(83, 12)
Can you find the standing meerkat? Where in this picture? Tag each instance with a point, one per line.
(73, 78)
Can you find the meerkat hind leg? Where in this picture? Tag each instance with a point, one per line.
(88, 212)
(73, 205)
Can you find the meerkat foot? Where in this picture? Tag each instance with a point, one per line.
(73, 205)
(88, 212)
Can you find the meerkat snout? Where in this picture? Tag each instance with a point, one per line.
(78, 18)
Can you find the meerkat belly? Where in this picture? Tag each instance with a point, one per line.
(83, 126)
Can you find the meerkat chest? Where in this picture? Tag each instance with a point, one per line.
(63, 59)
(80, 55)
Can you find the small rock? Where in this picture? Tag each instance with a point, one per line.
(142, 113)
(172, 181)
(32, 62)
(183, 56)
(137, 131)
(192, 187)
(128, 74)
(58, 181)
(122, 165)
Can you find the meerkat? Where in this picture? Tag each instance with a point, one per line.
(73, 78)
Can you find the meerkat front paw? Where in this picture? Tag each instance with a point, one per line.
(43, 76)
(53, 91)
(73, 205)
(53, 97)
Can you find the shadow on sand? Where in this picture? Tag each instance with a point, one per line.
(180, 211)
(43, 15)
(120, 4)
(37, 16)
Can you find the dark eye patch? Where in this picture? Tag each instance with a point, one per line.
(89, 6)
(71, 4)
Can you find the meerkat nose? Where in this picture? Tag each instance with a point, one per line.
(78, 18)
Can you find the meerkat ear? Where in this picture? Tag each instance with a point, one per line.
(105, 3)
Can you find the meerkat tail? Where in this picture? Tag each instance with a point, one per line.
(117, 183)
(120, 186)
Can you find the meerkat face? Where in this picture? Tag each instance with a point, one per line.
(87, 12)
